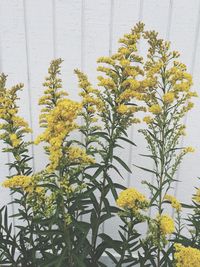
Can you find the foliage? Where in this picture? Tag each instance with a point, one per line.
(61, 210)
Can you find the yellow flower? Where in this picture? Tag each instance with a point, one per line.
(106, 60)
(189, 149)
(12, 123)
(197, 196)
(125, 62)
(168, 98)
(107, 83)
(190, 105)
(174, 202)
(123, 109)
(166, 224)
(155, 109)
(90, 100)
(147, 119)
(52, 93)
(76, 154)
(132, 199)
(18, 181)
(128, 94)
(60, 121)
(66, 187)
(14, 140)
(186, 256)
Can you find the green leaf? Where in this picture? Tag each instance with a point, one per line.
(123, 164)
(115, 168)
(113, 258)
(101, 134)
(105, 217)
(98, 171)
(79, 262)
(111, 243)
(93, 219)
(154, 197)
(145, 169)
(112, 187)
(127, 140)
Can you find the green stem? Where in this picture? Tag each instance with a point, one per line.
(160, 183)
(125, 245)
(106, 164)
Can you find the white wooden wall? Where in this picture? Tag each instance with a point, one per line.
(33, 32)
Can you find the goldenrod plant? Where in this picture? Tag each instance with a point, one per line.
(168, 99)
(60, 211)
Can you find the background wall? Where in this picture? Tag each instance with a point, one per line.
(33, 32)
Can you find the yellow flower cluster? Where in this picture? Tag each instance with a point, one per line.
(59, 123)
(129, 94)
(14, 140)
(18, 181)
(166, 224)
(124, 109)
(52, 92)
(66, 187)
(131, 199)
(148, 119)
(168, 97)
(174, 202)
(9, 114)
(123, 81)
(186, 256)
(167, 82)
(107, 83)
(78, 155)
(90, 99)
(189, 149)
(197, 196)
(155, 109)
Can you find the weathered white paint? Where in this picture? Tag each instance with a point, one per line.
(33, 32)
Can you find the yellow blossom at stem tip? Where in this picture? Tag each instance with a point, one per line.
(77, 154)
(14, 140)
(166, 224)
(155, 109)
(60, 121)
(174, 202)
(18, 181)
(168, 97)
(131, 199)
(147, 119)
(189, 149)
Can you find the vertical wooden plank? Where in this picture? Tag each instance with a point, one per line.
(96, 34)
(3, 156)
(54, 21)
(27, 73)
(39, 32)
(125, 15)
(169, 23)
(68, 41)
